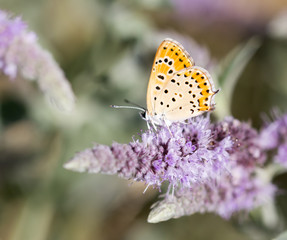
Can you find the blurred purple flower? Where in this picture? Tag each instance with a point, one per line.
(21, 55)
(209, 8)
(209, 167)
(245, 151)
(212, 11)
(274, 137)
(226, 195)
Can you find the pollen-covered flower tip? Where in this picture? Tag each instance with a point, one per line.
(22, 56)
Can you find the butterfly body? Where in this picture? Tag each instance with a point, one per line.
(177, 89)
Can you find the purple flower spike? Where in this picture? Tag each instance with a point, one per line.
(209, 167)
(21, 55)
(188, 156)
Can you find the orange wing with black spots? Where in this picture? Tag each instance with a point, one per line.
(169, 59)
(187, 94)
(177, 89)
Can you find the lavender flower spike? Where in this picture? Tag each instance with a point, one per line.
(21, 55)
(224, 196)
(209, 167)
(186, 158)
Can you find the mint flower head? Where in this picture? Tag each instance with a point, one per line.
(209, 167)
(22, 56)
(182, 156)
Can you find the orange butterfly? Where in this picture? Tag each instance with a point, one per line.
(177, 90)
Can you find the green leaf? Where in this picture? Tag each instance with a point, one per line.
(229, 71)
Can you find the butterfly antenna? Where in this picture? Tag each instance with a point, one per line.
(132, 103)
(128, 107)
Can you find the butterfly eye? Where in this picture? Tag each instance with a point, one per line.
(143, 115)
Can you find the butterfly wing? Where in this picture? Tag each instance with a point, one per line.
(188, 93)
(170, 58)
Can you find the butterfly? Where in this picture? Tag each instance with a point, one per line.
(177, 89)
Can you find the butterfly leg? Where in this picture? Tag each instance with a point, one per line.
(154, 126)
(167, 126)
(148, 126)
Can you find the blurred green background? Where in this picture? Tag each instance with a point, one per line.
(106, 49)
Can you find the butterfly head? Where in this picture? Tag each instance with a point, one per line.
(143, 115)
